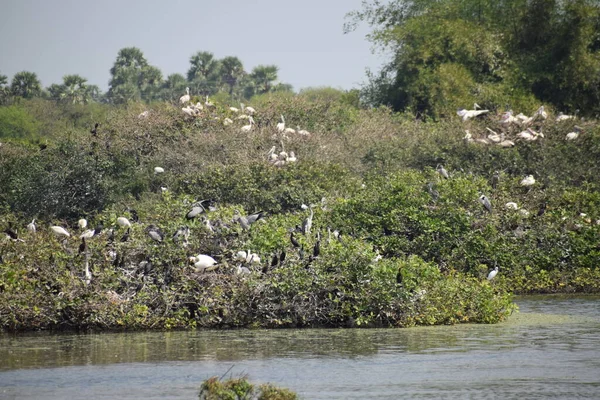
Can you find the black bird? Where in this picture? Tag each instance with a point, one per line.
(293, 240)
(125, 237)
(274, 260)
(98, 228)
(317, 248)
(82, 246)
(301, 253)
(542, 209)
(134, 215)
(10, 233)
(43, 146)
(399, 277)
(282, 257)
(94, 131)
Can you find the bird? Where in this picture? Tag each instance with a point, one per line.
(541, 113)
(495, 179)
(511, 205)
(529, 135)
(60, 231)
(10, 233)
(87, 272)
(144, 114)
(155, 233)
(82, 223)
(227, 121)
(234, 109)
(307, 223)
(468, 114)
(31, 226)
(302, 132)
(542, 209)
(507, 118)
(94, 130)
(435, 195)
(158, 170)
(195, 211)
(575, 134)
(442, 171)
(186, 97)
(248, 128)
(317, 247)
(183, 232)
(98, 229)
(247, 221)
(290, 131)
(293, 240)
(281, 125)
(82, 246)
(485, 202)
(242, 270)
(291, 157)
(250, 110)
(492, 274)
(529, 180)
(563, 117)
(124, 222)
(204, 263)
(208, 103)
(87, 234)
(125, 236)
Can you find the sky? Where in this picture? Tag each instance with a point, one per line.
(303, 38)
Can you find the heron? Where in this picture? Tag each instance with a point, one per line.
(492, 274)
(247, 221)
(485, 202)
(87, 272)
(183, 232)
(197, 209)
(186, 97)
(442, 171)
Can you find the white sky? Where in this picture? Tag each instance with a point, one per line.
(303, 38)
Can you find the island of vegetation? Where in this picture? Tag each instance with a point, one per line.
(223, 199)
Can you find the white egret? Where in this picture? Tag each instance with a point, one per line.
(529, 180)
(60, 231)
(82, 223)
(158, 170)
(186, 97)
(492, 274)
(468, 114)
(31, 226)
(124, 222)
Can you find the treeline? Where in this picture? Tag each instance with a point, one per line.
(509, 53)
(133, 78)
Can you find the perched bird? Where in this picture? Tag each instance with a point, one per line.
(125, 236)
(98, 229)
(204, 263)
(158, 170)
(87, 273)
(542, 209)
(155, 233)
(182, 233)
(495, 179)
(442, 171)
(563, 117)
(529, 180)
(492, 274)
(248, 128)
(575, 134)
(227, 121)
(511, 205)
(10, 233)
(87, 234)
(82, 246)
(281, 125)
(60, 231)
(242, 270)
(94, 130)
(485, 202)
(82, 223)
(468, 114)
(293, 240)
(124, 222)
(317, 247)
(186, 97)
(307, 223)
(31, 226)
(144, 114)
(196, 210)
(250, 110)
(247, 221)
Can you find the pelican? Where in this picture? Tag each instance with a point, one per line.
(204, 263)
(158, 170)
(248, 128)
(291, 131)
(60, 231)
(233, 109)
(541, 113)
(528, 135)
(281, 125)
(227, 121)
(495, 137)
(31, 226)
(189, 111)
(506, 143)
(250, 110)
(442, 171)
(507, 118)
(563, 117)
(468, 137)
(242, 270)
(529, 180)
(485, 202)
(511, 205)
(575, 134)
(186, 97)
(291, 157)
(124, 222)
(468, 114)
(302, 132)
(82, 223)
(492, 274)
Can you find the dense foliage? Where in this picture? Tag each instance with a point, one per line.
(241, 389)
(448, 54)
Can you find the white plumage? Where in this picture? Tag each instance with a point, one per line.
(124, 222)
(82, 223)
(492, 274)
(529, 180)
(159, 170)
(204, 263)
(60, 231)
(468, 114)
(186, 97)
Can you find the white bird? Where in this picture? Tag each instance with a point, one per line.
(575, 134)
(31, 226)
(468, 137)
(241, 256)
(243, 116)
(523, 119)
(159, 170)
(124, 222)
(144, 114)
(511, 205)
(541, 113)
(234, 109)
(563, 117)
(290, 131)
(197, 107)
(227, 121)
(492, 274)
(281, 125)
(468, 114)
(507, 118)
(529, 135)
(87, 234)
(485, 202)
(291, 157)
(60, 231)
(302, 132)
(524, 212)
(186, 97)
(82, 223)
(242, 270)
(506, 143)
(529, 180)
(87, 272)
(495, 137)
(208, 103)
(442, 171)
(204, 263)
(189, 111)
(248, 128)
(250, 110)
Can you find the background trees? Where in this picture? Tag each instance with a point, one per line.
(132, 78)
(25, 84)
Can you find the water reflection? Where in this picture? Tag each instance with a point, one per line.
(551, 346)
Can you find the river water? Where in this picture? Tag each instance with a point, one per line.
(549, 349)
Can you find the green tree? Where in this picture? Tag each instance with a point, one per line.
(132, 78)
(25, 84)
(264, 77)
(204, 73)
(232, 71)
(173, 87)
(73, 90)
(4, 89)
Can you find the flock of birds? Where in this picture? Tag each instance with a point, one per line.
(508, 121)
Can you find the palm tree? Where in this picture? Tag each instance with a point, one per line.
(75, 89)
(204, 73)
(4, 89)
(232, 70)
(130, 75)
(264, 77)
(25, 84)
(149, 82)
(173, 87)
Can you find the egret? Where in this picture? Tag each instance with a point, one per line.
(124, 222)
(529, 180)
(281, 125)
(227, 121)
(468, 114)
(204, 263)
(186, 97)
(492, 274)
(82, 223)
(511, 205)
(31, 226)
(442, 171)
(485, 202)
(60, 231)
(248, 128)
(307, 223)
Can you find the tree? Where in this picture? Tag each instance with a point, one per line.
(25, 84)
(264, 77)
(132, 78)
(232, 70)
(204, 73)
(173, 87)
(4, 89)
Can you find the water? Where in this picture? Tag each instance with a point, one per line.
(550, 349)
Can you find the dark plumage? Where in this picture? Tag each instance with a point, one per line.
(125, 237)
(94, 130)
(82, 246)
(155, 233)
(293, 240)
